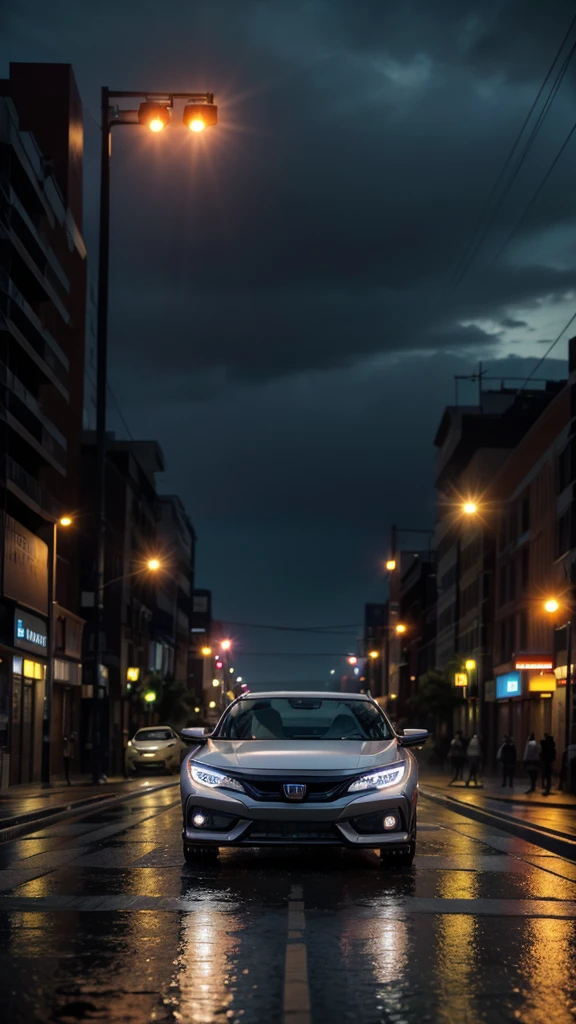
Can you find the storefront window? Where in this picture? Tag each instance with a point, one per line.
(33, 669)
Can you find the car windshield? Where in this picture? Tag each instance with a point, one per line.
(304, 718)
(145, 735)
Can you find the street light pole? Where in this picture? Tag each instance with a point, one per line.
(101, 379)
(155, 112)
(49, 677)
(568, 722)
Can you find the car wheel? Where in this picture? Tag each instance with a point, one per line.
(194, 854)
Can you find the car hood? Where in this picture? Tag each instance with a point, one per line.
(152, 745)
(298, 755)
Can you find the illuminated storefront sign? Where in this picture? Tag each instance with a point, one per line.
(30, 632)
(460, 679)
(545, 682)
(508, 685)
(539, 662)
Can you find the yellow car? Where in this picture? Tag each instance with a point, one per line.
(157, 748)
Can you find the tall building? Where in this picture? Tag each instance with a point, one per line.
(535, 550)
(473, 444)
(42, 315)
(174, 597)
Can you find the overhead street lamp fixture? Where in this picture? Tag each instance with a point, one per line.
(153, 111)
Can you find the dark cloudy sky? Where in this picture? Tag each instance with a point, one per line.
(281, 319)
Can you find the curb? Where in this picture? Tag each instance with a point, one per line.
(518, 801)
(555, 842)
(75, 810)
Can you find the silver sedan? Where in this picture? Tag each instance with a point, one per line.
(288, 768)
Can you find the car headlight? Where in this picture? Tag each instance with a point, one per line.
(381, 779)
(210, 777)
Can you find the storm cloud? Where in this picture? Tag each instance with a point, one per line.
(282, 314)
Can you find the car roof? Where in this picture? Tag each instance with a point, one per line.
(304, 695)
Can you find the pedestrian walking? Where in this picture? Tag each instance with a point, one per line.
(507, 754)
(456, 753)
(532, 761)
(474, 755)
(67, 755)
(548, 756)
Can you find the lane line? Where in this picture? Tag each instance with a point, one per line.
(296, 1003)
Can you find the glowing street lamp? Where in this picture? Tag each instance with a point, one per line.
(352, 660)
(153, 564)
(551, 605)
(198, 116)
(65, 521)
(226, 645)
(150, 696)
(374, 655)
(470, 508)
(391, 564)
(206, 651)
(400, 628)
(154, 116)
(215, 682)
(470, 665)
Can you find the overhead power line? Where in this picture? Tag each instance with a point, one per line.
(546, 354)
(534, 197)
(490, 211)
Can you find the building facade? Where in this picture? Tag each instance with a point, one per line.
(42, 312)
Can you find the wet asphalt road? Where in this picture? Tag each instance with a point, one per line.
(100, 920)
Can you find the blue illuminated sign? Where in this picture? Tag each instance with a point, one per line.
(508, 685)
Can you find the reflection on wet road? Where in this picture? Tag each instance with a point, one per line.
(100, 920)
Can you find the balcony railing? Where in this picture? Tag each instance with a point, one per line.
(12, 473)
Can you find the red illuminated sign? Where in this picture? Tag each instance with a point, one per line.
(537, 662)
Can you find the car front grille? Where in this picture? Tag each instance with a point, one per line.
(292, 831)
(321, 790)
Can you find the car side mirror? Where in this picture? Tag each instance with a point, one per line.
(194, 735)
(413, 737)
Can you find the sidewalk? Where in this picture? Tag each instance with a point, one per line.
(491, 788)
(21, 804)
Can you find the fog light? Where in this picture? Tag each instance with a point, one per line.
(199, 820)
(390, 821)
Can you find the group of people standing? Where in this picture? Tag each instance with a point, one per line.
(538, 758)
(459, 752)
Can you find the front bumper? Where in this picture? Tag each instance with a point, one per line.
(256, 823)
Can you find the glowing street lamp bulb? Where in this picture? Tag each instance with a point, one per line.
(154, 564)
(470, 508)
(470, 665)
(374, 655)
(352, 660)
(65, 521)
(196, 124)
(400, 628)
(551, 605)
(150, 697)
(156, 124)
(212, 704)
(197, 710)
(215, 682)
(206, 651)
(238, 679)
(226, 645)
(391, 564)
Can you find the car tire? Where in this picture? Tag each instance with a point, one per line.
(193, 854)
